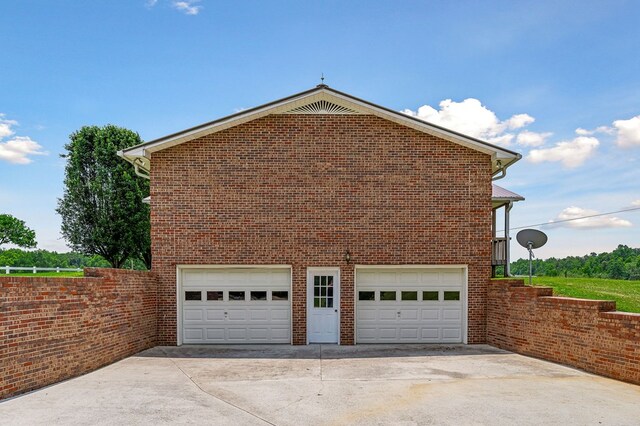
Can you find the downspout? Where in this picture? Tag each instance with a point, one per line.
(136, 168)
(507, 253)
(501, 170)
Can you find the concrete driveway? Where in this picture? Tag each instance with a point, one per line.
(330, 385)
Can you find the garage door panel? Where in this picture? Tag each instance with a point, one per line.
(430, 333)
(217, 319)
(367, 314)
(280, 315)
(258, 315)
(409, 314)
(431, 314)
(451, 333)
(430, 277)
(452, 314)
(193, 314)
(409, 333)
(408, 278)
(259, 334)
(215, 315)
(237, 333)
(447, 278)
(237, 314)
(387, 314)
(280, 333)
(193, 333)
(216, 334)
(430, 318)
(388, 333)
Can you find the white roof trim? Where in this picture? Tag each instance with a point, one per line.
(321, 93)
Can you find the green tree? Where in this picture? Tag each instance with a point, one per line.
(102, 209)
(14, 231)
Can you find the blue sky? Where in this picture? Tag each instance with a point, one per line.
(526, 75)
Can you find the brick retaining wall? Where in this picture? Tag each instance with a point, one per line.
(587, 334)
(52, 329)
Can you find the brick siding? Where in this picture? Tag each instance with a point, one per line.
(587, 334)
(300, 190)
(52, 329)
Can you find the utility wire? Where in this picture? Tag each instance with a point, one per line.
(572, 219)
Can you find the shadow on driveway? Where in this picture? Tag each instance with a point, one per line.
(317, 351)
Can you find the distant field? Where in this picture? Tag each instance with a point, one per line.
(625, 293)
(44, 274)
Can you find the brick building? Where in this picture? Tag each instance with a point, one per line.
(322, 217)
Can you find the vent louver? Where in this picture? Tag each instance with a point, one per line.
(322, 107)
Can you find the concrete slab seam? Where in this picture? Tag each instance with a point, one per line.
(217, 397)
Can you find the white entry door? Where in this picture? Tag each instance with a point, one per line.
(323, 305)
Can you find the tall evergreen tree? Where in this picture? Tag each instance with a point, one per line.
(102, 209)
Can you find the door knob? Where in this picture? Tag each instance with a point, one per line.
(335, 310)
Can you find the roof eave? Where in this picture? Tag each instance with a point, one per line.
(505, 156)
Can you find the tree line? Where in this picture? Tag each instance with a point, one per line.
(623, 263)
(52, 259)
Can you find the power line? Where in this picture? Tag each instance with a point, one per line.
(572, 219)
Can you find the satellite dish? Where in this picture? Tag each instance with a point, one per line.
(531, 239)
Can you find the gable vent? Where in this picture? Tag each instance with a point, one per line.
(322, 107)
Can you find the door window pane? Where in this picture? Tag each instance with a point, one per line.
(214, 295)
(409, 295)
(258, 295)
(367, 295)
(279, 295)
(192, 295)
(430, 295)
(387, 295)
(323, 291)
(451, 295)
(236, 295)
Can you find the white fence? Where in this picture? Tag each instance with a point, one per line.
(35, 269)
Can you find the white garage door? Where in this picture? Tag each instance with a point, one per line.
(251, 305)
(410, 305)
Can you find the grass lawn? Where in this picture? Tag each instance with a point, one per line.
(45, 274)
(625, 293)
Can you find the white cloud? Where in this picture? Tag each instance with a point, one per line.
(571, 153)
(635, 203)
(601, 129)
(472, 118)
(151, 3)
(17, 149)
(5, 126)
(590, 222)
(187, 7)
(528, 138)
(628, 132)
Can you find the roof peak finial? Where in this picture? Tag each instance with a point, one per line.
(322, 81)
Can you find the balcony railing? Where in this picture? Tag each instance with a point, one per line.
(499, 251)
